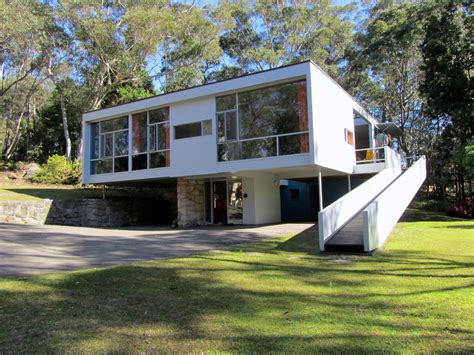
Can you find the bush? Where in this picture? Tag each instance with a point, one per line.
(58, 170)
(462, 209)
(431, 205)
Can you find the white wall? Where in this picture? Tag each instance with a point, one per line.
(381, 215)
(262, 204)
(195, 155)
(333, 111)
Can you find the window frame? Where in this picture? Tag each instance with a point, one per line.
(101, 142)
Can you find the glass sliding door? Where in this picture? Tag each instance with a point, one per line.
(234, 202)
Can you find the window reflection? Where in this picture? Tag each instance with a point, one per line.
(262, 123)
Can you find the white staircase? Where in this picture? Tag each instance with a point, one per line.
(362, 219)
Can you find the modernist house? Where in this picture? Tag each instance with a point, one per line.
(232, 146)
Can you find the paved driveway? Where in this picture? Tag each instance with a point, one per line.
(32, 250)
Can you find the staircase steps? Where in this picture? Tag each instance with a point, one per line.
(349, 238)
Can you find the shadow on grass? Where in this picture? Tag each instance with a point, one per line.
(200, 304)
(460, 226)
(304, 242)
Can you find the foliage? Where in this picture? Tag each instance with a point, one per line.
(468, 158)
(430, 205)
(269, 34)
(449, 90)
(384, 70)
(462, 209)
(58, 170)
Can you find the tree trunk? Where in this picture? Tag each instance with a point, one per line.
(9, 148)
(67, 138)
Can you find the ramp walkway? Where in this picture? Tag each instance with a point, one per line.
(361, 220)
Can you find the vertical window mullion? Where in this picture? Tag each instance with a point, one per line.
(130, 142)
(237, 123)
(113, 152)
(148, 139)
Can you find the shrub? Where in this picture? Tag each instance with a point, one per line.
(431, 205)
(58, 170)
(462, 209)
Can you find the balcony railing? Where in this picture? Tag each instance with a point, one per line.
(370, 155)
(264, 147)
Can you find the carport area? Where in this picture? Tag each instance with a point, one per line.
(32, 250)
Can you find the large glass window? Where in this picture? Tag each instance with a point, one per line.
(109, 146)
(265, 122)
(150, 142)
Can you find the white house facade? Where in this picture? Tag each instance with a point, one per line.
(230, 144)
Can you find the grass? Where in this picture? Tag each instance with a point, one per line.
(278, 295)
(26, 192)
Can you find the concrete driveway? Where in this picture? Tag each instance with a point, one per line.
(31, 250)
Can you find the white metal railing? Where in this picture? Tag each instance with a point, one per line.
(277, 144)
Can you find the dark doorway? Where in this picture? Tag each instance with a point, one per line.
(219, 202)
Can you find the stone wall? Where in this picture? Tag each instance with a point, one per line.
(190, 195)
(85, 212)
(31, 212)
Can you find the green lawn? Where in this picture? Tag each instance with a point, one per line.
(10, 192)
(272, 296)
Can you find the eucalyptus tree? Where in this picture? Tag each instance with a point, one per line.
(384, 69)
(270, 34)
(30, 43)
(448, 67)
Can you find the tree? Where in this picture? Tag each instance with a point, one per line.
(448, 67)
(384, 70)
(270, 34)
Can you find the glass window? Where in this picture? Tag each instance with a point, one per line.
(153, 138)
(94, 140)
(163, 134)
(221, 127)
(262, 122)
(101, 166)
(120, 164)
(187, 130)
(206, 127)
(225, 103)
(159, 115)
(293, 144)
(275, 110)
(158, 160)
(139, 125)
(256, 148)
(121, 143)
(114, 125)
(139, 161)
(231, 125)
(107, 145)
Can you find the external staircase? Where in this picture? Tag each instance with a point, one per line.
(361, 220)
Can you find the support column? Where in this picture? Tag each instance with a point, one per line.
(190, 194)
(320, 187)
(349, 183)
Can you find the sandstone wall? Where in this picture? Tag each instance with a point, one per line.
(190, 195)
(85, 212)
